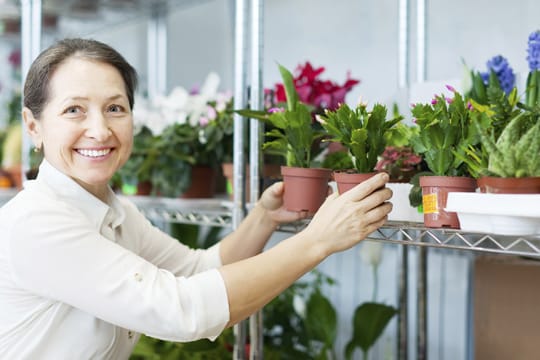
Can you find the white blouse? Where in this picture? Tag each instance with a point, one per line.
(79, 279)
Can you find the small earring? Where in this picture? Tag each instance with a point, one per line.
(37, 149)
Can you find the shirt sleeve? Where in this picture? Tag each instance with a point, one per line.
(163, 250)
(56, 253)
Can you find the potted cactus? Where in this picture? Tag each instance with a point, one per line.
(292, 136)
(363, 132)
(445, 129)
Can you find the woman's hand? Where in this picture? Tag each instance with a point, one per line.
(272, 201)
(344, 220)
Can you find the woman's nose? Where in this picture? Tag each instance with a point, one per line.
(98, 127)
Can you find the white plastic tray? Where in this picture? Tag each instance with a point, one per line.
(505, 214)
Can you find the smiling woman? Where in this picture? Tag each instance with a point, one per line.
(85, 125)
(83, 273)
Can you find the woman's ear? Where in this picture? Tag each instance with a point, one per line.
(33, 127)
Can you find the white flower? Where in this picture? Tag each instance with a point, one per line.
(371, 252)
(299, 306)
(202, 137)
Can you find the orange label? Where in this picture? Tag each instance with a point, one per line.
(429, 202)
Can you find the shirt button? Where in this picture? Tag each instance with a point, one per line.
(130, 334)
(138, 277)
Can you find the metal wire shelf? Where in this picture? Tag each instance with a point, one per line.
(210, 212)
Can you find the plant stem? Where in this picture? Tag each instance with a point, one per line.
(375, 282)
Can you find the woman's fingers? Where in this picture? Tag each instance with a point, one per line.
(366, 187)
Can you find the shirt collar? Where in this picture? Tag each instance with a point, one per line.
(68, 189)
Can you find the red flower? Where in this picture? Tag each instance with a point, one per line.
(320, 94)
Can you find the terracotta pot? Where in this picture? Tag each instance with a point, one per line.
(270, 173)
(203, 183)
(15, 173)
(435, 191)
(144, 188)
(6, 181)
(346, 181)
(305, 188)
(497, 185)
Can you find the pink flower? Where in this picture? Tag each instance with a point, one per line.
(275, 110)
(203, 121)
(451, 88)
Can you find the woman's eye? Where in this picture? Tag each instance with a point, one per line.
(116, 108)
(73, 110)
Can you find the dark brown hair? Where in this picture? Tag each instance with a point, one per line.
(36, 86)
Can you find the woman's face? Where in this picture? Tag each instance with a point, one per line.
(86, 128)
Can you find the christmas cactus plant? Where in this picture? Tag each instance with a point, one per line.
(362, 131)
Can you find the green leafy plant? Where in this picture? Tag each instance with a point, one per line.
(516, 152)
(444, 129)
(292, 135)
(371, 317)
(363, 132)
(166, 159)
(301, 323)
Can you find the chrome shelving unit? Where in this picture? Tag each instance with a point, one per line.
(209, 212)
(218, 212)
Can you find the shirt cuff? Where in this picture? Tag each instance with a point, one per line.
(214, 255)
(213, 302)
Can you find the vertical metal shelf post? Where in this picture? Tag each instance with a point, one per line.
(30, 48)
(157, 51)
(256, 103)
(421, 75)
(403, 287)
(240, 102)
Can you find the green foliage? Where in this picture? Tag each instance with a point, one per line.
(532, 92)
(166, 159)
(292, 335)
(369, 322)
(516, 153)
(361, 131)
(154, 349)
(338, 160)
(445, 128)
(292, 135)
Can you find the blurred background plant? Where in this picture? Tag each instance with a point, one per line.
(371, 317)
(176, 132)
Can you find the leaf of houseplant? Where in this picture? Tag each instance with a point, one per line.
(369, 321)
(321, 319)
(290, 90)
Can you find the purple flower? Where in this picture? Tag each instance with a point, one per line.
(533, 51)
(275, 110)
(451, 88)
(434, 101)
(500, 66)
(449, 100)
(469, 105)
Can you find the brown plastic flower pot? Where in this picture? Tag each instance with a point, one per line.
(346, 181)
(305, 189)
(435, 191)
(203, 183)
(497, 185)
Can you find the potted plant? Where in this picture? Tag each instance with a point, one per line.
(179, 136)
(363, 132)
(444, 129)
(292, 137)
(507, 149)
(514, 157)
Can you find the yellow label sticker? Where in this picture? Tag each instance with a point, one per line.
(429, 202)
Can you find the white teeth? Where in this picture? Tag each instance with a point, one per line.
(93, 153)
